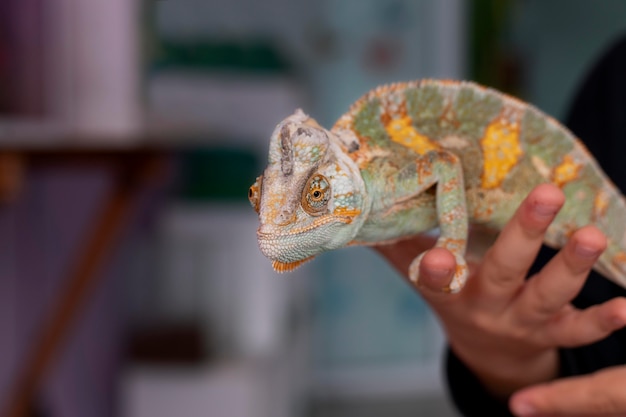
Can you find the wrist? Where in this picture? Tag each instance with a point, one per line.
(504, 373)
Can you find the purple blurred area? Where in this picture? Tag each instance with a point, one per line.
(39, 233)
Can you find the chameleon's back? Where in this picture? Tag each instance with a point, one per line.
(506, 148)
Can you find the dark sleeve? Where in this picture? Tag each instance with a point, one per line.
(598, 117)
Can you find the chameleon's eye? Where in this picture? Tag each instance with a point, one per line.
(316, 195)
(254, 193)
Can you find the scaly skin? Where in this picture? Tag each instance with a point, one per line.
(409, 157)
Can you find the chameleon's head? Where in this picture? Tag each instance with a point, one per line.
(310, 199)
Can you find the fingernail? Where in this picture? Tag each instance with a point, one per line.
(585, 251)
(617, 322)
(436, 279)
(523, 409)
(439, 274)
(545, 210)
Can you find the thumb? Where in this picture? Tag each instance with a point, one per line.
(600, 393)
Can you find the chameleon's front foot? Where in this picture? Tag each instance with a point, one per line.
(458, 279)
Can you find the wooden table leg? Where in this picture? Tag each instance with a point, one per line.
(11, 175)
(99, 244)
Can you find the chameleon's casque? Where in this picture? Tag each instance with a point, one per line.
(409, 157)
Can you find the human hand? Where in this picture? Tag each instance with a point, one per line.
(505, 329)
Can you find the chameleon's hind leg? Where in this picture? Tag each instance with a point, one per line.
(443, 169)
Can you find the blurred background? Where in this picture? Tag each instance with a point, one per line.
(130, 280)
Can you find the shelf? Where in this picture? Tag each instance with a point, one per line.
(34, 135)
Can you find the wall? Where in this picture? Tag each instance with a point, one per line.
(559, 41)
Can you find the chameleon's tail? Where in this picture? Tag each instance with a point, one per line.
(612, 221)
(605, 208)
(612, 263)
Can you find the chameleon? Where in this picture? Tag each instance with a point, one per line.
(411, 157)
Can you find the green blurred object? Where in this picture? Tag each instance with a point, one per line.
(254, 56)
(223, 174)
(493, 57)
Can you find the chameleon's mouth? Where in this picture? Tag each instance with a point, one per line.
(280, 235)
(298, 244)
(294, 244)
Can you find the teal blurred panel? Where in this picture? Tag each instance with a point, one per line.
(366, 314)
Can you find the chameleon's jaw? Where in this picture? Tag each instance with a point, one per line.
(289, 250)
(285, 251)
(284, 258)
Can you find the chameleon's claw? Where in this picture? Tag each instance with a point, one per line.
(458, 279)
(460, 276)
(414, 268)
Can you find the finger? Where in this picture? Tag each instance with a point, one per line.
(507, 262)
(582, 327)
(601, 393)
(561, 279)
(436, 270)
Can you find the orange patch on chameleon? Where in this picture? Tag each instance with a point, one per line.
(404, 133)
(568, 229)
(346, 214)
(343, 209)
(453, 244)
(501, 152)
(344, 122)
(451, 185)
(363, 155)
(288, 266)
(423, 169)
(274, 211)
(568, 170)
(483, 212)
(385, 118)
(600, 204)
